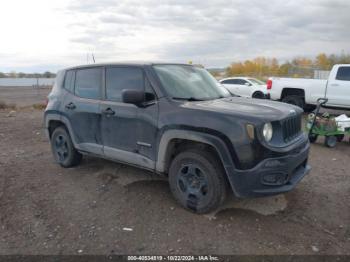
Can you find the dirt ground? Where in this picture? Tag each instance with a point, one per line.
(23, 96)
(101, 207)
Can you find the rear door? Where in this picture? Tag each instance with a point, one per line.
(81, 107)
(338, 87)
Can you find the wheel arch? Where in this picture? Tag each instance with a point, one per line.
(54, 120)
(172, 139)
(53, 124)
(256, 91)
(288, 91)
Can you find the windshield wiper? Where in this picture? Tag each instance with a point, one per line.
(187, 98)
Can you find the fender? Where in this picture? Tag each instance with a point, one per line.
(196, 136)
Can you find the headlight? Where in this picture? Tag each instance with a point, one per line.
(268, 132)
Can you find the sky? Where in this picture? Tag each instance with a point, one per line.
(41, 35)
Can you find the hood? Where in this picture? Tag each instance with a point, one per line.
(249, 108)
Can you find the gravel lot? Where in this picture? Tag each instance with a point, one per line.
(23, 96)
(101, 207)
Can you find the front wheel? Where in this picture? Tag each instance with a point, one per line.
(294, 100)
(63, 149)
(313, 138)
(330, 141)
(197, 180)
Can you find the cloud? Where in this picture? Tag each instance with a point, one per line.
(217, 32)
(214, 33)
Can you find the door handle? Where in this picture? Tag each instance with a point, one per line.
(70, 106)
(108, 111)
(334, 84)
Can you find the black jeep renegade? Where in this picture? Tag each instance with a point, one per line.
(177, 120)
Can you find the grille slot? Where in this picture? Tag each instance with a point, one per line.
(291, 127)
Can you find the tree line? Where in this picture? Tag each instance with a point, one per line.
(25, 75)
(263, 67)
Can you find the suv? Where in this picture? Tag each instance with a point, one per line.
(177, 120)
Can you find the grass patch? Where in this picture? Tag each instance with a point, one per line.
(3, 105)
(39, 106)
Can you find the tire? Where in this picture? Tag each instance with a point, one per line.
(197, 181)
(309, 108)
(294, 100)
(340, 138)
(330, 141)
(63, 149)
(258, 95)
(313, 138)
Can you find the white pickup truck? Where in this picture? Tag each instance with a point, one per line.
(305, 92)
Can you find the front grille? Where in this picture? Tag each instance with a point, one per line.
(291, 127)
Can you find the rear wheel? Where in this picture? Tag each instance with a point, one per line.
(63, 149)
(330, 141)
(309, 108)
(258, 95)
(197, 180)
(294, 100)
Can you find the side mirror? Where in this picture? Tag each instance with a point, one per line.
(248, 84)
(149, 97)
(133, 96)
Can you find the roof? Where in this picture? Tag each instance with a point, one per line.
(236, 77)
(126, 63)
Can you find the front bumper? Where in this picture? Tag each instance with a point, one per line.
(272, 176)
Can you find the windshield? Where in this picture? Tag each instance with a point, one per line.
(256, 81)
(189, 82)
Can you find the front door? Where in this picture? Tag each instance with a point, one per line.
(244, 88)
(338, 87)
(123, 125)
(231, 86)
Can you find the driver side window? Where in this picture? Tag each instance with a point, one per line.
(242, 82)
(119, 78)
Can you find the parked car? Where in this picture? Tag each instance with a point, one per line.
(174, 119)
(245, 87)
(305, 92)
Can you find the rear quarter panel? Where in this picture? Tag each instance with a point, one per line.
(314, 88)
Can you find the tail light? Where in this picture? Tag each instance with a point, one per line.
(269, 84)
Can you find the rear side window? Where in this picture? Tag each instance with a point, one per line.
(229, 81)
(343, 73)
(88, 83)
(69, 81)
(119, 78)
